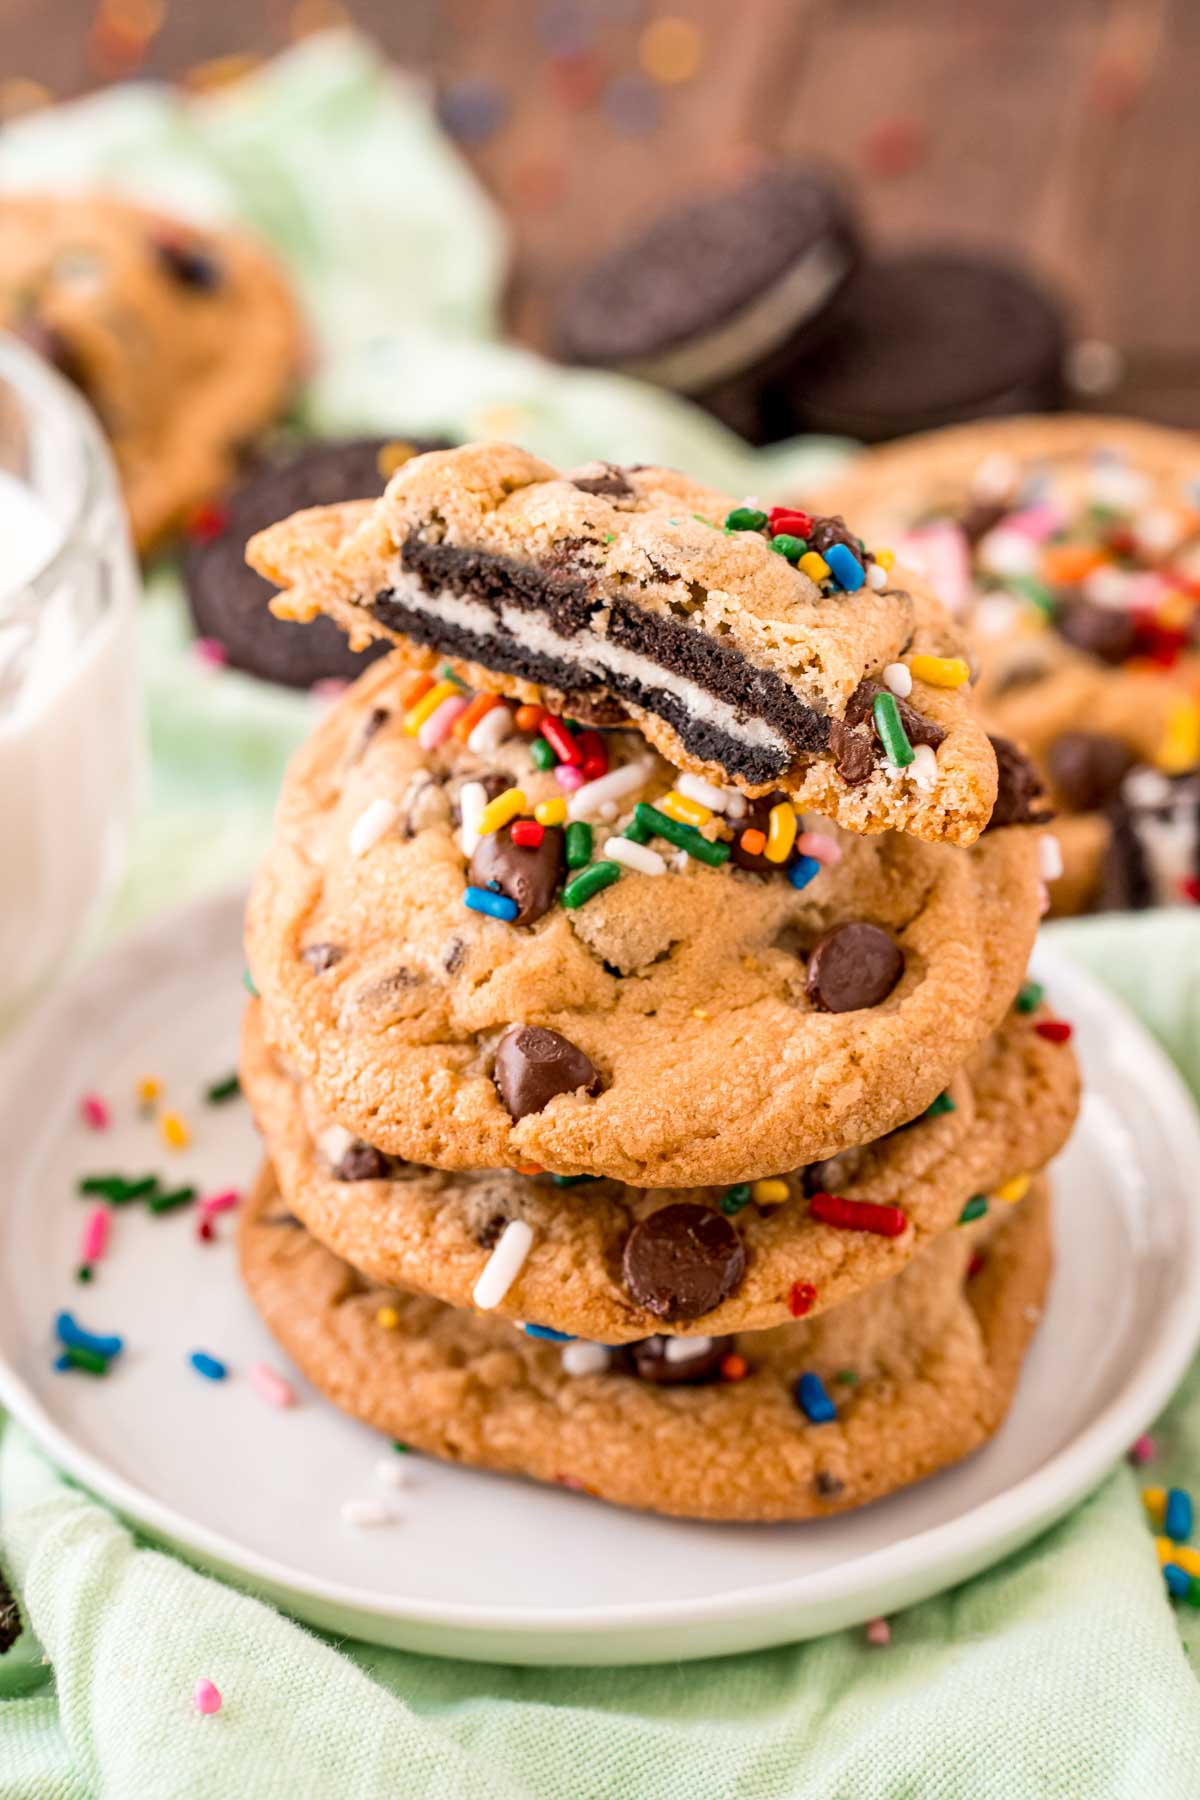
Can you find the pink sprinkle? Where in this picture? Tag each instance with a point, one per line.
(879, 1632)
(1036, 522)
(211, 652)
(1143, 1449)
(939, 552)
(436, 728)
(822, 849)
(95, 1235)
(569, 777)
(206, 1696)
(330, 687)
(271, 1387)
(222, 1202)
(94, 1112)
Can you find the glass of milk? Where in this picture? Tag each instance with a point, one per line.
(70, 717)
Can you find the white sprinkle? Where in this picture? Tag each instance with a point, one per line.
(996, 476)
(584, 1359)
(1094, 367)
(1033, 1314)
(371, 824)
(1116, 485)
(1043, 899)
(608, 811)
(367, 1513)
(491, 731)
(694, 787)
(924, 768)
(635, 856)
(391, 1472)
(472, 798)
(683, 1349)
(680, 862)
(1006, 553)
(898, 676)
(616, 785)
(1050, 857)
(1156, 531)
(736, 805)
(1145, 787)
(503, 1265)
(334, 1142)
(877, 577)
(1107, 586)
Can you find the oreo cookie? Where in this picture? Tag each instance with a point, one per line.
(1153, 856)
(927, 339)
(230, 602)
(716, 298)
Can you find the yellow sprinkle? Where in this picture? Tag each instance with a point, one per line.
(1013, 1190)
(688, 812)
(940, 671)
(772, 1192)
(428, 704)
(148, 1090)
(175, 1133)
(499, 811)
(1154, 1499)
(669, 50)
(394, 456)
(388, 1317)
(1182, 1555)
(885, 558)
(781, 832)
(814, 566)
(698, 1012)
(1180, 746)
(551, 812)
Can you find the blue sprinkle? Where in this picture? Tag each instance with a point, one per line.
(813, 1401)
(208, 1366)
(633, 105)
(1178, 1581)
(76, 1338)
(472, 110)
(845, 567)
(803, 870)
(1177, 1516)
(497, 906)
(551, 1337)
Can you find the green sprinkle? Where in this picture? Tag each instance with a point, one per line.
(1029, 996)
(636, 832)
(248, 983)
(225, 1089)
(610, 537)
(161, 1203)
(117, 1189)
(684, 837)
(1192, 1597)
(700, 519)
(745, 518)
(975, 1208)
(74, 1356)
(84, 1272)
(446, 673)
(572, 1180)
(590, 881)
(399, 1448)
(1035, 591)
(943, 1104)
(892, 734)
(578, 844)
(791, 547)
(734, 1198)
(543, 756)
(847, 1377)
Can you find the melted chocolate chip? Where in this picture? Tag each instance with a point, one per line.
(757, 818)
(1025, 673)
(533, 1064)
(854, 754)
(686, 1366)
(189, 265)
(920, 730)
(363, 1162)
(683, 1261)
(980, 518)
(828, 1485)
(320, 957)
(830, 530)
(529, 875)
(1019, 793)
(852, 967)
(1087, 768)
(612, 483)
(1106, 632)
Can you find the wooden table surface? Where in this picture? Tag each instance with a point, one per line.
(1066, 132)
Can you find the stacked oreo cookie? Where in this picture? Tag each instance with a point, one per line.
(630, 1124)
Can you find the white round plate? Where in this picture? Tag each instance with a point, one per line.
(479, 1565)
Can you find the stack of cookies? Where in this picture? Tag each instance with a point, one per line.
(654, 1100)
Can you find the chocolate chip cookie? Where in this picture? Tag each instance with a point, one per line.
(184, 340)
(646, 978)
(763, 648)
(802, 1421)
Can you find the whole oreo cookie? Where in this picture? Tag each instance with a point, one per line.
(924, 340)
(229, 601)
(716, 298)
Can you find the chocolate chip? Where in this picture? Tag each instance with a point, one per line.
(1106, 632)
(612, 483)
(683, 1260)
(189, 265)
(980, 518)
(533, 1064)
(757, 818)
(530, 875)
(1087, 768)
(280, 1218)
(363, 1162)
(686, 1366)
(854, 754)
(829, 1486)
(1019, 792)
(919, 729)
(320, 957)
(1025, 673)
(488, 1234)
(374, 722)
(491, 783)
(853, 966)
(835, 1174)
(830, 530)
(452, 957)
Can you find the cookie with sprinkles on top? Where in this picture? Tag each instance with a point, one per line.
(592, 1253)
(768, 649)
(481, 956)
(1074, 545)
(806, 1420)
(185, 340)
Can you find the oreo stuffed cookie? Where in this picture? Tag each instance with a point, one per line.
(487, 940)
(769, 650)
(805, 1420)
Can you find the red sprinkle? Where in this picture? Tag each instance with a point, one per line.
(1189, 887)
(858, 1215)
(527, 833)
(734, 1367)
(789, 520)
(560, 740)
(94, 1112)
(529, 717)
(595, 755)
(207, 522)
(801, 1299)
(895, 146)
(976, 1263)
(205, 1232)
(1055, 1031)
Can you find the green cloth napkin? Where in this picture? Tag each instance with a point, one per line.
(1061, 1673)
